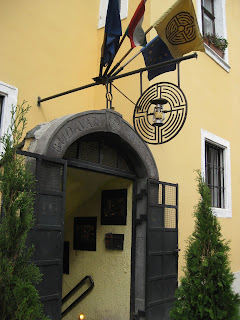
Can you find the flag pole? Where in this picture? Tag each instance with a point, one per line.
(126, 54)
(120, 61)
(125, 64)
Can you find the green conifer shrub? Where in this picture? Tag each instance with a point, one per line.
(206, 291)
(19, 299)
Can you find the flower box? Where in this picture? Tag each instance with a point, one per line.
(213, 47)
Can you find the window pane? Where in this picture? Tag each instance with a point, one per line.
(215, 174)
(208, 4)
(1, 105)
(208, 25)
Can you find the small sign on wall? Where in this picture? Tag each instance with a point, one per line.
(114, 241)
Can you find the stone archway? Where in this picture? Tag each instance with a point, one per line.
(52, 139)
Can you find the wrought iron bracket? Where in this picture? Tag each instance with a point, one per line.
(104, 79)
(101, 80)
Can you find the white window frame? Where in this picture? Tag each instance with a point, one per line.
(220, 29)
(225, 145)
(10, 95)
(103, 12)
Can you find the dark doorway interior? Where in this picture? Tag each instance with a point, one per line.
(84, 230)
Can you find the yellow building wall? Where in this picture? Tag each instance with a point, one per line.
(52, 46)
(109, 269)
(212, 95)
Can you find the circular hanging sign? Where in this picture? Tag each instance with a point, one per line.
(174, 109)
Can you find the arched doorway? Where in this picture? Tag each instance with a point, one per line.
(99, 202)
(106, 132)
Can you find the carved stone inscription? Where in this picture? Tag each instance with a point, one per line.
(96, 121)
(75, 129)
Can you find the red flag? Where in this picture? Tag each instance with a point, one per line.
(135, 31)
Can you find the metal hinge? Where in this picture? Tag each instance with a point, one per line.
(141, 194)
(143, 217)
(136, 316)
(176, 252)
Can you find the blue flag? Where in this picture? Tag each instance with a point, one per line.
(155, 52)
(113, 31)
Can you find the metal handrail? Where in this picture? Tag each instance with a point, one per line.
(81, 297)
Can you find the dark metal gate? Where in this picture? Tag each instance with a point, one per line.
(162, 249)
(47, 234)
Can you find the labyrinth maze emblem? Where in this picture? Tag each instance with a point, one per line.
(175, 113)
(181, 29)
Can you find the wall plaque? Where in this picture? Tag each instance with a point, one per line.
(85, 233)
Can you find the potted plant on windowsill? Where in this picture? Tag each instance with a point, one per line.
(216, 43)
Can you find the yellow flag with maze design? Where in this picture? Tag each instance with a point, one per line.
(178, 28)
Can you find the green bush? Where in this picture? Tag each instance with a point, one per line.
(19, 299)
(206, 288)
